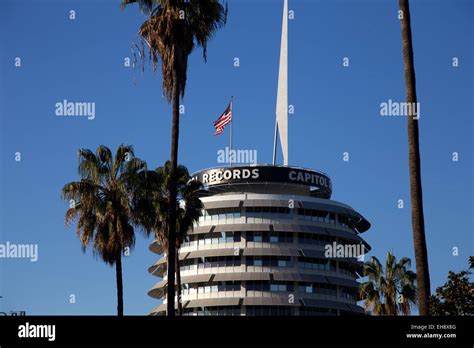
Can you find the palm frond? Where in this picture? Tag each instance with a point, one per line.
(390, 290)
(102, 201)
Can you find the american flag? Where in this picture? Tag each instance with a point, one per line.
(223, 120)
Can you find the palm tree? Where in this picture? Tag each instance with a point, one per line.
(416, 195)
(101, 204)
(189, 211)
(170, 33)
(384, 286)
(154, 206)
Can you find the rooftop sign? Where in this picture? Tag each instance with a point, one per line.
(264, 175)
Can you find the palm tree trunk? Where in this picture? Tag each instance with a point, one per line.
(118, 271)
(417, 218)
(172, 192)
(178, 285)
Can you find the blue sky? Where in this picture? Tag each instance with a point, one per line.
(336, 111)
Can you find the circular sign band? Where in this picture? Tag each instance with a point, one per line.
(265, 174)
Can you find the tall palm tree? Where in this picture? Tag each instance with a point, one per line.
(101, 204)
(389, 291)
(416, 195)
(154, 206)
(170, 33)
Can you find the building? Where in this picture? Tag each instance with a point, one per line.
(259, 248)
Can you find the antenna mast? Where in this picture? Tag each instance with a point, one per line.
(281, 124)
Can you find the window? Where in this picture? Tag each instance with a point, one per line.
(302, 238)
(268, 261)
(314, 215)
(317, 264)
(214, 214)
(269, 237)
(327, 289)
(221, 216)
(201, 240)
(343, 220)
(302, 286)
(221, 262)
(326, 218)
(274, 237)
(332, 218)
(346, 268)
(258, 285)
(211, 262)
(280, 286)
(229, 286)
(284, 213)
(258, 214)
(266, 214)
(312, 311)
(314, 239)
(348, 293)
(268, 310)
(227, 237)
(186, 265)
(231, 261)
(222, 238)
(249, 212)
(274, 212)
(333, 266)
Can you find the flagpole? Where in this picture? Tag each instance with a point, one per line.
(231, 121)
(275, 142)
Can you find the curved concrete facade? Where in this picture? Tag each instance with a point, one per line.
(260, 252)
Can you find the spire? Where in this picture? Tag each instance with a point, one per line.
(281, 124)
